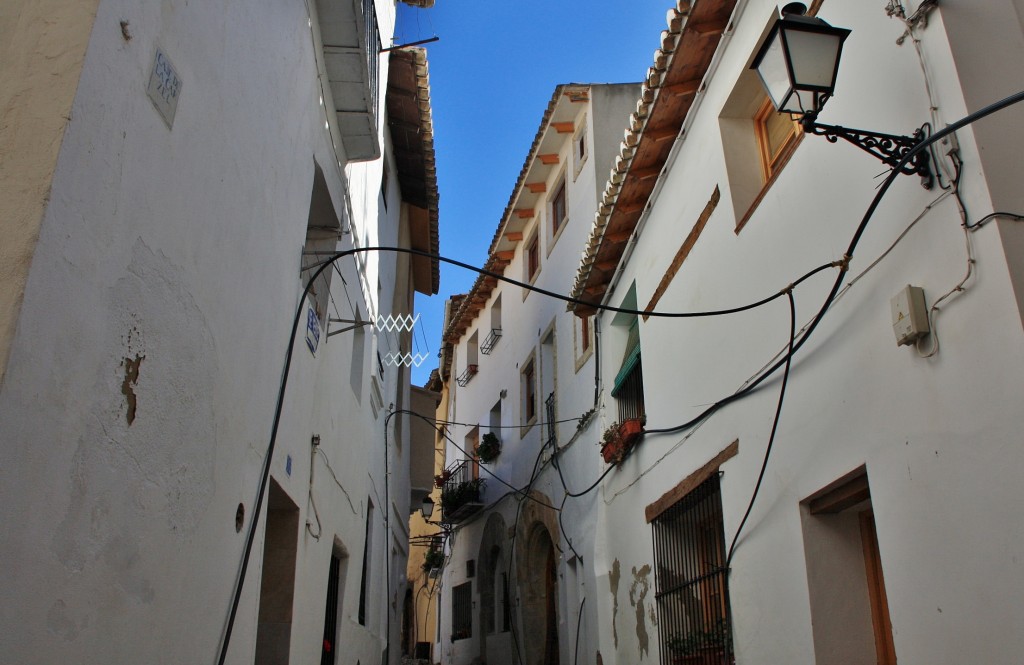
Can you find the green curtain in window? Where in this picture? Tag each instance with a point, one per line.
(631, 358)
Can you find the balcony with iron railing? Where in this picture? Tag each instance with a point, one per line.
(351, 53)
(467, 375)
(549, 415)
(461, 493)
(491, 341)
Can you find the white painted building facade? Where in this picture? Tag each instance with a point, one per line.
(893, 479)
(159, 263)
(521, 367)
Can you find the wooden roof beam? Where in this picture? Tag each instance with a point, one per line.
(549, 158)
(537, 187)
(645, 173)
(563, 127)
(618, 236)
(682, 88)
(709, 28)
(631, 208)
(525, 213)
(661, 133)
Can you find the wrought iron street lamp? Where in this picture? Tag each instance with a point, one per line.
(798, 63)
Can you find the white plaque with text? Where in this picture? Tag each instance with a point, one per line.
(164, 87)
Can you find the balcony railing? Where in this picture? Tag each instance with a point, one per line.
(351, 52)
(461, 494)
(491, 340)
(549, 414)
(467, 375)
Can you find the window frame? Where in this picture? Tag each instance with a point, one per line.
(558, 203)
(583, 339)
(531, 256)
(580, 151)
(528, 377)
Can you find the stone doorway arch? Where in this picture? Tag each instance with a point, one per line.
(537, 557)
(492, 585)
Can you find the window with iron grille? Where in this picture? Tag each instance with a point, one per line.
(462, 611)
(692, 580)
(628, 388)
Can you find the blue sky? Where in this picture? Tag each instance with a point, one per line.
(491, 76)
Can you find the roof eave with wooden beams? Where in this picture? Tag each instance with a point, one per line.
(556, 129)
(687, 49)
(412, 145)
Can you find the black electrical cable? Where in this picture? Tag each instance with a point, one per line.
(514, 489)
(775, 427)
(842, 265)
(512, 426)
(559, 296)
(579, 619)
(845, 263)
(992, 215)
(561, 527)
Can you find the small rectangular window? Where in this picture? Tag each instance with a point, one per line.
(462, 611)
(579, 150)
(533, 258)
(628, 387)
(583, 339)
(558, 209)
(529, 391)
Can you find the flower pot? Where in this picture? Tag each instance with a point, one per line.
(629, 431)
(626, 434)
(612, 451)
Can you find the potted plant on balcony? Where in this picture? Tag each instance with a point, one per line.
(453, 498)
(489, 448)
(433, 559)
(619, 438)
(441, 478)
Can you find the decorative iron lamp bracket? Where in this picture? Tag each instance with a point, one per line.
(889, 148)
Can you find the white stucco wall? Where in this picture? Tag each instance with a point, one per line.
(938, 436)
(176, 252)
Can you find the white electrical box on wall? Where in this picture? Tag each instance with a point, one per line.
(909, 315)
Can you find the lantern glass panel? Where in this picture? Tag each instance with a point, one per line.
(814, 56)
(774, 71)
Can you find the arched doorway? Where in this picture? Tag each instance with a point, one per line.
(540, 606)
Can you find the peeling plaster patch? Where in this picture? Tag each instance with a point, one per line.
(59, 623)
(131, 377)
(613, 581)
(123, 479)
(641, 582)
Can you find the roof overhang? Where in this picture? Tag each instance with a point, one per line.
(672, 85)
(567, 102)
(412, 145)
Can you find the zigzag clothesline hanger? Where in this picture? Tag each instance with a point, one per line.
(389, 323)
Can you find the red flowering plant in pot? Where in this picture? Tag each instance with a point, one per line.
(441, 478)
(619, 438)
